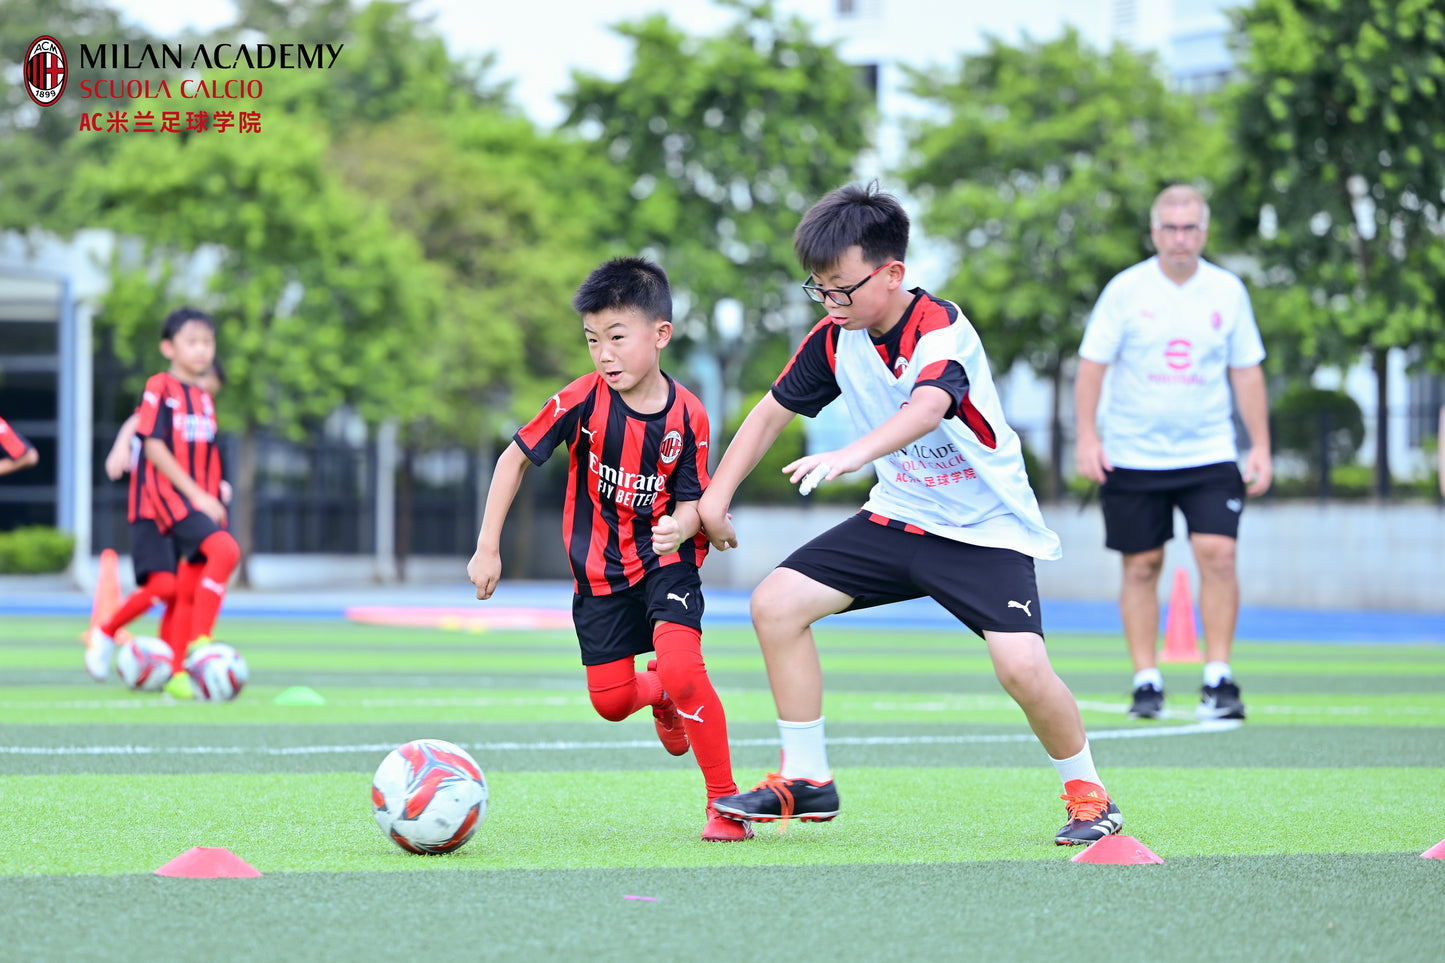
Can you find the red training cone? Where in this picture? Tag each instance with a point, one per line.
(1181, 644)
(205, 862)
(1435, 852)
(107, 596)
(1118, 850)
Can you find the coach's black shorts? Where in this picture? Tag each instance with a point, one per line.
(150, 551)
(619, 626)
(1139, 504)
(987, 589)
(190, 532)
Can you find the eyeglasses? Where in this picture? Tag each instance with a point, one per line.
(842, 297)
(1187, 229)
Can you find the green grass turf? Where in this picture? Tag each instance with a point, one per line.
(1295, 836)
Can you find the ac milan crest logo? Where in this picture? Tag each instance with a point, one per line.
(45, 71)
(670, 447)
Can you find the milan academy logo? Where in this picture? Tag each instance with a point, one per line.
(45, 71)
(670, 447)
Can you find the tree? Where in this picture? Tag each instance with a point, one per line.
(1343, 157)
(724, 141)
(319, 299)
(1041, 173)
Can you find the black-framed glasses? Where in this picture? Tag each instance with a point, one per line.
(842, 297)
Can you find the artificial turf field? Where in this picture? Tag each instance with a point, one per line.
(1295, 836)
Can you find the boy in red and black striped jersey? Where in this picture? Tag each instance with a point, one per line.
(152, 554)
(637, 445)
(15, 452)
(180, 483)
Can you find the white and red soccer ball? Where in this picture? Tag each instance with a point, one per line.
(429, 796)
(217, 671)
(144, 663)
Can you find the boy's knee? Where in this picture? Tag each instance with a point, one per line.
(615, 704)
(220, 549)
(679, 673)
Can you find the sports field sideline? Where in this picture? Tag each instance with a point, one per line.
(1294, 836)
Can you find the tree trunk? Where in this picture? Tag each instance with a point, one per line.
(1056, 434)
(243, 520)
(403, 511)
(1382, 423)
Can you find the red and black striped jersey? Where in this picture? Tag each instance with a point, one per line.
(12, 443)
(184, 417)
(624, 470)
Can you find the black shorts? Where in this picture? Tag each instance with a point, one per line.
(1139, 505)
(190, 532)
(987, 589)
(619, 626)
(150, 551)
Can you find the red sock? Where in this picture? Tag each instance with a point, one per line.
(684, 676)
(188, 576)
(222, 553)
(618, 689)
(158, 587)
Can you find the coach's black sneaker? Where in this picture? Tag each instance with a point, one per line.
(1148, 703)
(1092, 814)
(778, 798)
(1220, 701)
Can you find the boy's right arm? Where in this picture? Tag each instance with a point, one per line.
(118, 461)
(485, 568)
(758, 432)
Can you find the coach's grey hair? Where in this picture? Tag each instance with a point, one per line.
(1179, 194)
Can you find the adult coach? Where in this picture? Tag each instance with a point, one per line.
(1175, 333)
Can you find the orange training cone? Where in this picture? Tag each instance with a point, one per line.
(107, 593)
(1118, 850)
(1435, 852)
(1181, 644)
(206, 862)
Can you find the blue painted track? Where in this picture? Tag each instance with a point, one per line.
(731, 608)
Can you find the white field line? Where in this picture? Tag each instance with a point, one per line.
(568, 746)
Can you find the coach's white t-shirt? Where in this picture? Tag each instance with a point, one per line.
(1166, 401)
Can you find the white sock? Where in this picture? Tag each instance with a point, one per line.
(1078, 766)
(1149, 677)
(1215, 673)
(805, 755)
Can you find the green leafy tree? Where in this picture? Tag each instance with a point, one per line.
(725, 141)
(319, 298)
(1041, 173)
(1343, 150)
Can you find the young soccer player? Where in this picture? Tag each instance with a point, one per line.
(952, 515)
(637, 446)
(15, 452)
(153, 555)
(181, 482)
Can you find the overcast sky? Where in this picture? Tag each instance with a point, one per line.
(538, 42)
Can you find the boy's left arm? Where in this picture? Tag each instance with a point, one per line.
(670, 531)
(924, 412)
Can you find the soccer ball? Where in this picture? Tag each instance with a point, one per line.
(429, 796)
(144, 663)
(217, 672)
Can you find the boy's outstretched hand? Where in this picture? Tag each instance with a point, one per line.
(485, 571)
(810, 471)
(717, 524)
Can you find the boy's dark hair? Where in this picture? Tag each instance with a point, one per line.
(851, 215)
(178, 318)
(626, 282)
(219, 370)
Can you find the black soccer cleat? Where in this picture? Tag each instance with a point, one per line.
(1148, 703)
(1092, 814)
(778, 798)
(1220, 701)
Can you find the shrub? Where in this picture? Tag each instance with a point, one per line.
(1311, 423)
(34, 550)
